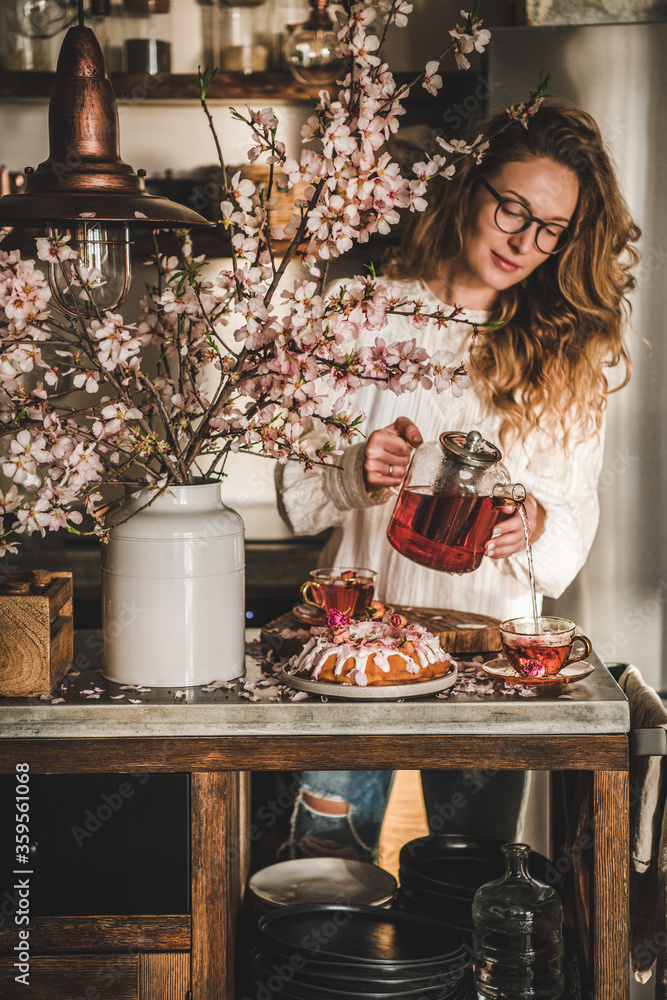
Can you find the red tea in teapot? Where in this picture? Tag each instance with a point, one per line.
(445, 531)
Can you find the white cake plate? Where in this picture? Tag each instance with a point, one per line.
(375, 692)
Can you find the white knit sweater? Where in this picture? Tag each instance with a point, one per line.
(563, 480)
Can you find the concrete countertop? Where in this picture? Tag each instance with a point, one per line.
(595, 705)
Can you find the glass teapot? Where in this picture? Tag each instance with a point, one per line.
(451, 499)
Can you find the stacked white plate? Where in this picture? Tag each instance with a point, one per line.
(320, 880)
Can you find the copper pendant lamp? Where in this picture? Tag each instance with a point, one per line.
(84, 189)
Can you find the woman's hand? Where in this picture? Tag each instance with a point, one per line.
(508, 535)
(388, 453)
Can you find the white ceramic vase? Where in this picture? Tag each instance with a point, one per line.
(173, 608)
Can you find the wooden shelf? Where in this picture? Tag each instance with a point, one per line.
(182, 86)
(211, 242)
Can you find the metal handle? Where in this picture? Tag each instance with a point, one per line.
(648, 742)
(588, 649)
(304, 594)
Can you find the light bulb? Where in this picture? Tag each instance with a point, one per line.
(103, 250)
(312, 50)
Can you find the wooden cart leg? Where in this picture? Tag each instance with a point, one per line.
(610, 808)
(219, 813)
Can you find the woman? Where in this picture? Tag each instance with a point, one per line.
(537, 238)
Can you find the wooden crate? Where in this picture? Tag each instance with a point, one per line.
(36, 632)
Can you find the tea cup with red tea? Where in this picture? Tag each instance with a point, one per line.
(340, 588)
(539, 647)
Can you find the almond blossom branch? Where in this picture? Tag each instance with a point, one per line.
(156, 396)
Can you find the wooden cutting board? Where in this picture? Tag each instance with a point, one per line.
(458, 631)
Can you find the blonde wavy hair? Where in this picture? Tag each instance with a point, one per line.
(564, 325)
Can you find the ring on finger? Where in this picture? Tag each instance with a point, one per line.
(390, 471)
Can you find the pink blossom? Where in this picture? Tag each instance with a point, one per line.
(372, 134)
(25, 454)
(337, 139)
(465, 41)
(460, 382)
(87, 380)
(34, 515)
(116, 344)
(84, 464)
(10, 500)
(400, 9)
(363, 46)
(115, 416)
(55, 250)
(432, 80)
(266, 117)
(243, 190)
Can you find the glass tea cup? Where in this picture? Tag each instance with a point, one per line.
(543, 646)
(340, 588)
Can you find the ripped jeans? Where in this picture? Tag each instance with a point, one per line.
(340, 813)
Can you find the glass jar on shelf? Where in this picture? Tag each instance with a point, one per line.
(147, 36)
(209, 14)
(312, 49)
(31, 33)
(283, 18)
(97, 18)
(114, 36)
(244, 39)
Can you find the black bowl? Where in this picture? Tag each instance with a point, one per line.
(457, 864)
(438, 906)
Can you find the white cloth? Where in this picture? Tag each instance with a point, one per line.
(648, 840)
(563, 480)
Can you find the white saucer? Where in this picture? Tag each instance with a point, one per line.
(375, 692)
(322, 880)
(501, 670)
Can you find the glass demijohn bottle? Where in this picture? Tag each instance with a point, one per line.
(518, 938)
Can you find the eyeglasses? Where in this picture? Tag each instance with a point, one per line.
(513, 217)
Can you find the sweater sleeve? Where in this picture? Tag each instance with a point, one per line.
(564, 479)
(310, 502)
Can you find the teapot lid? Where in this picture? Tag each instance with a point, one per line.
(470, 449)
